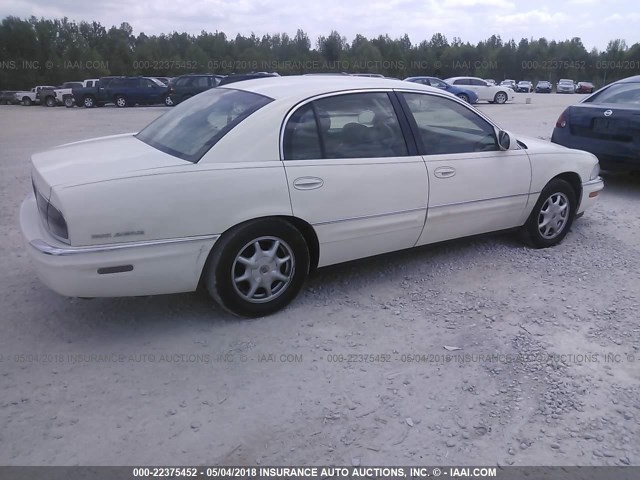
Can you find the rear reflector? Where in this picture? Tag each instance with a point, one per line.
(594, 194)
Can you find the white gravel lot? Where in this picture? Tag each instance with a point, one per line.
(173, 380)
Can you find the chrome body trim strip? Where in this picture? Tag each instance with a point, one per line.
(45, 248)
(375, 215)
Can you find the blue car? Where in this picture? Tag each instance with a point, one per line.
(462, 93)
(607, 124)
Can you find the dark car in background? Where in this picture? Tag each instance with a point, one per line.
(8, 97)
(585, 87)
(524, 86)
(186, 86)
(462, 93)
(607, 124)
(543, 86)
(123, 92)
(238, 77)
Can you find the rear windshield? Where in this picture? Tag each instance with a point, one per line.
(618, 93)
(191, 128)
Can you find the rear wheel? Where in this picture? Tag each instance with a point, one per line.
(257, 268)
(552, 216)
(500, 98)
(167, 101)
(50, 102)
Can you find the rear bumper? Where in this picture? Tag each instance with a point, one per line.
(590, 193)
(114, 270)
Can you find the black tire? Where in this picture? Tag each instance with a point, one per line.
(500, 98)
(464, 97)
(69, 102)
(26, 101)
(121, 101)
(50, 101)
(89, 102)
(224, 264)
(557, 190)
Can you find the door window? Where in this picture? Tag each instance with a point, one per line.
(361, 125)
(445, 126)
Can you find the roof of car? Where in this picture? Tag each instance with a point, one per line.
(634, 79)
(308, 86)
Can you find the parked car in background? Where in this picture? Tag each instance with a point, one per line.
(565, 85)
(186, 86)
(238, 77)
(165, 80)
(32, 96)
(467, 95)
(585, 87)
(543, 86)
(123, 92)
(8, 97)
(607, 124)
(524, 86)
(509, 83)
(490, 81)
(485, 92)
(372, 75)
(252, 187)
(55, 96)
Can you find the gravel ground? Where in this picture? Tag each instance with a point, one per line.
(356, 370)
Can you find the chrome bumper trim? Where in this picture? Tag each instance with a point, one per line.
(45, 248)
(595, 181)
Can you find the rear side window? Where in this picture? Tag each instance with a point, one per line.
(301, 137)
(200, 82)
(190, 129)
(358, 125)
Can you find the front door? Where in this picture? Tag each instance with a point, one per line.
(474, 187)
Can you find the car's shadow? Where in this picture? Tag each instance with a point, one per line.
(139, 315)
(625, 184)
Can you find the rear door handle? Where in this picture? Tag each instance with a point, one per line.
(307, 183)
(444, 172)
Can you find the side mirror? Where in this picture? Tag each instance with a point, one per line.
(504, 140)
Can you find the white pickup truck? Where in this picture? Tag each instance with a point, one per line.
(62, 95)
(32, 96)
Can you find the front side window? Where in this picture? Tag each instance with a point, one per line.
(190, 129)
(445, 126)
(620, 93)
(359, 125)
(438, 83)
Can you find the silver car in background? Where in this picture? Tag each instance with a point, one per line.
(565, 85)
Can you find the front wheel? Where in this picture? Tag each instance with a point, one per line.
(500, 98)
(552, 216)
(88, 102)
(463, 96)
(257, 268)
(120, 101)
(50, 102)
(69, 102)
(26, 101)
(167, 101)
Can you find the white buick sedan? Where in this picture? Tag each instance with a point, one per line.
(249, 187)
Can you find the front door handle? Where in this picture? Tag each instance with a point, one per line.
(307, 183)
(444, 172)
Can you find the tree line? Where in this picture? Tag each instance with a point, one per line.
(43, 51)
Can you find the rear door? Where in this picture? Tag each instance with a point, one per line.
(352, 175)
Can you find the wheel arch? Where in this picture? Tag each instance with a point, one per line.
(574, 180)
(305, 228)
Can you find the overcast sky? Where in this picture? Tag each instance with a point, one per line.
(595, 21)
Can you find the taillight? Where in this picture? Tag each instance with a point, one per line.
(562, 121)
